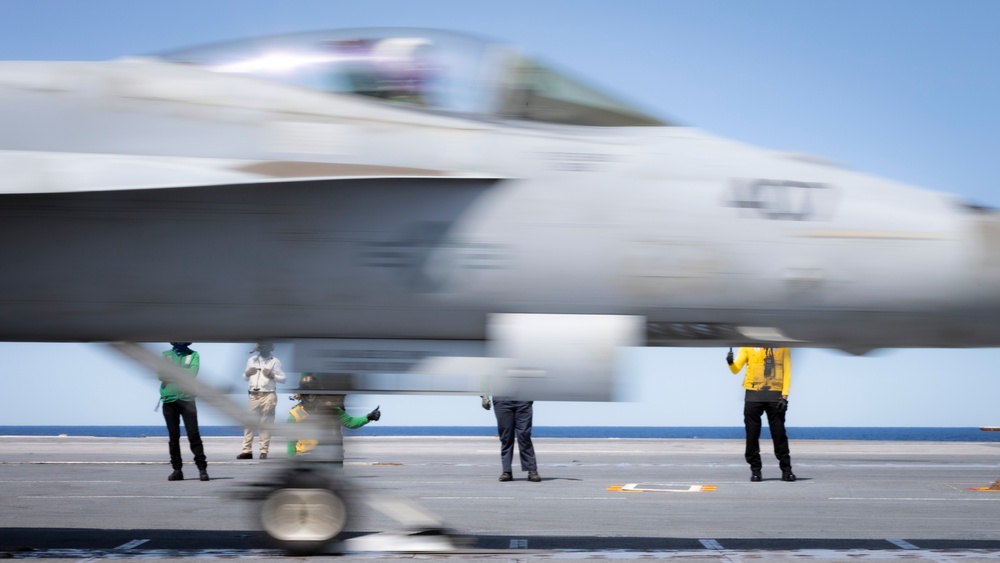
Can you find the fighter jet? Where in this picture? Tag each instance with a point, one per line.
(410, 201)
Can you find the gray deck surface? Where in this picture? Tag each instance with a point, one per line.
(77, 498)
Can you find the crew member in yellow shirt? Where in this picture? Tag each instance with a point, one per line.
(767, 379)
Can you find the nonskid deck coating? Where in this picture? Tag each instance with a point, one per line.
(75, 497)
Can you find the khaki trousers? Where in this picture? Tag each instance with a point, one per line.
(262, 405)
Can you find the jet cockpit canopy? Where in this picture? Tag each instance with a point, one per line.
(438, 70)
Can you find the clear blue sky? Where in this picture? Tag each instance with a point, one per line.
(905, 89)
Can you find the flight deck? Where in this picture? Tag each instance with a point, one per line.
(91, 498)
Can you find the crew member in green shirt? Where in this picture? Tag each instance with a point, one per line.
(312, 404)
(179, 405)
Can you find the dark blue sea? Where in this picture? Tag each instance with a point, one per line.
(699, 432)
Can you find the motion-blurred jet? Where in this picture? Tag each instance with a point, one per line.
(397, 183)
(412, 201)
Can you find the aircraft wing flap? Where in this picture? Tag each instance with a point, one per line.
(28, 172)
(323, 170)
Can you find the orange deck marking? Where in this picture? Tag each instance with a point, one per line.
(661, 488)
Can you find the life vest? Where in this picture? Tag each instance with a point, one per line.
(302, 447)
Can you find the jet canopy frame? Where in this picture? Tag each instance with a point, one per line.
(423, 68)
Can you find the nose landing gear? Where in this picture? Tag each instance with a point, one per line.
(304, 513)
(303, 520)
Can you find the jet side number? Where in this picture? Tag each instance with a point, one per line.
(782, 200)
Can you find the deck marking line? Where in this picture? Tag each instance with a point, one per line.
(515, 498)
(727, 555)
(711, 544)
(125, 546)
(902, 544)
(91, 463)
(61, 481)
(660, 488)
(918, 499)
(131, 544)
(122, 496)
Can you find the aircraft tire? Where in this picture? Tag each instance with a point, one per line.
(304, 516)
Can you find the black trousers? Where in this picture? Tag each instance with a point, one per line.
(173, 412)
(776, 422)
(514, 419)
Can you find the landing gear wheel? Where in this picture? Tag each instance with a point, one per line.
(301, 520)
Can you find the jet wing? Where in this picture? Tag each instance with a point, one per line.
(112, 247)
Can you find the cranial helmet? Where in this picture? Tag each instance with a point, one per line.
(308, 383)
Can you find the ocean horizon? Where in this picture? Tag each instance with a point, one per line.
(920, 434)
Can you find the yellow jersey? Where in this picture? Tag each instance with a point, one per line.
(756, 379)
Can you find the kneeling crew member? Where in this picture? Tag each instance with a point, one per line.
(310, 404)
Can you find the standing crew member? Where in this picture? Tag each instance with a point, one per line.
(767, 379)
(262, 373)
(514, 419)
(178, 405)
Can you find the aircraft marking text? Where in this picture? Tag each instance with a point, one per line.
(783, 200)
